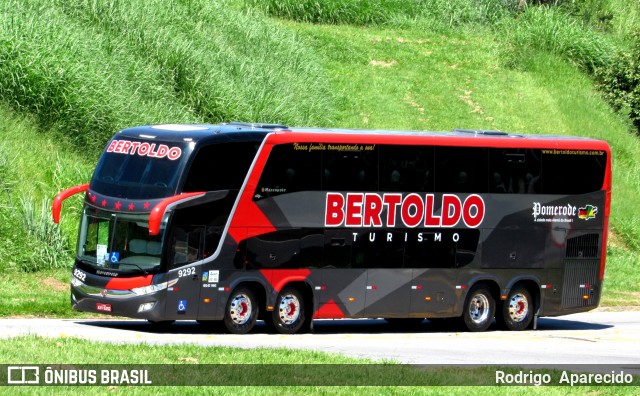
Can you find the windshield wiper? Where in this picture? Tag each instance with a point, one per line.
(144, 272)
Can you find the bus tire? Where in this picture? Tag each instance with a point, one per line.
(517, 310)
(241, 312)
(479, 308)
(289, 313)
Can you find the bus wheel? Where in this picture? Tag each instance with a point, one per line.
(288, 315)
(241, 312)
(479, 309)
(517, 309)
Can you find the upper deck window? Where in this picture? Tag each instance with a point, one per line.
(441, 169)
(572, 171)
(290, 168)
(137, 169)
(222, 166)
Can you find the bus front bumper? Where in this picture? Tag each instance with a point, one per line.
(86, 298)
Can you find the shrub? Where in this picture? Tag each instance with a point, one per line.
(620, 82)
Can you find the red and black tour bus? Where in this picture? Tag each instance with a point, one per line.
(242, 222)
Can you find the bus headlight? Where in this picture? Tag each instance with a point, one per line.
(141, 291)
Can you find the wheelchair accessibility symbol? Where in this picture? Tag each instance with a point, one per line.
(182, 306)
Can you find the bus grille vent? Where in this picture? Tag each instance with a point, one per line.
(583, 246)
(580, 278)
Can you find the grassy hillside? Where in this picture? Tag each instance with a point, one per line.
(73, 73)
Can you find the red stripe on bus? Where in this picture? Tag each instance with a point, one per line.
(279, 278)
(539, 142)
(248, 220)
(329, 310)
(129, 283)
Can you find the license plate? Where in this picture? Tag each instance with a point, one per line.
(103, 307)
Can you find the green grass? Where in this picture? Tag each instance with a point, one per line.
(625, 16)
(36, 350)
(552, 30)
(45, 293)
(87, 68)
(433, 14)
(34, 166)
(75, 79)
(621, 287)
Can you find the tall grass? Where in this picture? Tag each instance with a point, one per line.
(552, 30)
(47, 247)
(432, 13)
(626, 17)
(222, 63)
(33, 168)
(77, 79)
(89, 68)
(32, 242)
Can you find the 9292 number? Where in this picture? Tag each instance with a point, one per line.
(186, 272)
(79, 274)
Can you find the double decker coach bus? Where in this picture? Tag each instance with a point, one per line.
(243, 222)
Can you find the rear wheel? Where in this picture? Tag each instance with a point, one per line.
(479, 308)
(517, 310)
(289, 313)
(241, 312)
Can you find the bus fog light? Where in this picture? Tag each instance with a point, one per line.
(146, 306)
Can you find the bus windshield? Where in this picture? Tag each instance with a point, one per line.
(133, 170)
(119, 242)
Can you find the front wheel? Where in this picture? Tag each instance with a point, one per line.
(241, 312)
(289, 313)
(479, 309)
(517, 310)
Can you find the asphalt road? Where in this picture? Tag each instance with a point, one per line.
(595, 337)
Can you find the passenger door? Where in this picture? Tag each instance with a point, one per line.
(185, 251)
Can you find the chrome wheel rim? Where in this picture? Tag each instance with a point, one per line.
(479, 308)
(289, 309)
(518, 307)
(240, 309)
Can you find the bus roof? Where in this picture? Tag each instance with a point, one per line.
(240, 131)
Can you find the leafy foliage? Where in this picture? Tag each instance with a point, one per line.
(620, 82)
